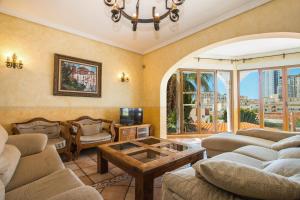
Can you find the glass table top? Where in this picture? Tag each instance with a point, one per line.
(147, 155)
(124, 146)
(173, 147)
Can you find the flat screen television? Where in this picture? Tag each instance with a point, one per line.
(131, 116)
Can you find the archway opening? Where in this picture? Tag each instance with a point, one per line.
(219, 58)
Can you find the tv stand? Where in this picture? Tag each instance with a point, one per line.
(131, 132)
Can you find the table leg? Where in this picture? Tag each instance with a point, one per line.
(102, 164)
(143, 188)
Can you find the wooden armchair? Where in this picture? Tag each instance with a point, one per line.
(88, 132)
(58, 133)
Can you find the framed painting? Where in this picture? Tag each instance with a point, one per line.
(76, 77)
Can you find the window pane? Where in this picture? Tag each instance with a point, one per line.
(190, 119)
(293, 101)
(223, 101)
(272, 97)
(189, 82)
(249, 99)
(207, 102)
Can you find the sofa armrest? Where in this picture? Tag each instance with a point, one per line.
(80, 193)
(28, 144)
(266, 134)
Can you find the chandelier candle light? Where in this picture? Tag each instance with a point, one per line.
(118, 10)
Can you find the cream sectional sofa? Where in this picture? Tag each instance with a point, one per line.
(227, 142)
(32, 170)
(249, 172)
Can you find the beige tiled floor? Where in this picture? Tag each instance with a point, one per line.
(85, 167)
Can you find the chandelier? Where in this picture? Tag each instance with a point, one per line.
(118, 10)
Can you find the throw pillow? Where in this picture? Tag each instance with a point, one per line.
(248, 181)
(289, 153)
(289, 142)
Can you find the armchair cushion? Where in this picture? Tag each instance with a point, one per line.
(59, 142)
(51, 129)
(79, 193)
(289, 142)
(3, 138)
(9, 160)
(91, 129)
(28, 144)
(248, 181)
(99, 137)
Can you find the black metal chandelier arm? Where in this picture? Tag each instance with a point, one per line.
(109, 2)
(149, 20)
(178, 2)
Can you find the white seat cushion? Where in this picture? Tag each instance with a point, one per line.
(46, 187)
(99, 137)
(257, 152)
(59, 142)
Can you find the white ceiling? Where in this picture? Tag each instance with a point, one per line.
(91, 19)
(252, 48)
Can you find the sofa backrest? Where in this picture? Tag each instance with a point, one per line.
(51, 129)
(267, 134)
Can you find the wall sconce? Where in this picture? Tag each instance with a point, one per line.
(124, 77)
(11, 62)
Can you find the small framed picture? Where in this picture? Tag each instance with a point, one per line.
(76, 77)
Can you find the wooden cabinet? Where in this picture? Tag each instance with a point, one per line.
(124, 132)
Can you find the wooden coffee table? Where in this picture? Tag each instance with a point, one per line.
(146, 159)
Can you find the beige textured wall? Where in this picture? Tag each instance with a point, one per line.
(27, 93)
(276, 16)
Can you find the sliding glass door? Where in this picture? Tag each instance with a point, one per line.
(270, 98)
(293, 98)
(206, 101)
(272, 94)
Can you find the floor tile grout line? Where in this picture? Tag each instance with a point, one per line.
(85, 174)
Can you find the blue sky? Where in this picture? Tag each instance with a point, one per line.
(249, 85)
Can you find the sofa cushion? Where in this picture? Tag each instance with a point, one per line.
(289, 153)
(34, 167)
(289, 142)
(79, 193)
(99, 137)
(3, 138)
(51, 129)
(59, 142)
(46, 187)
(227, 142)
(248, 181)
(9, 160)
(257, 152)
(91, 129)
(28, 143)
(284, 167)
(187, 186)
(235, 157)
